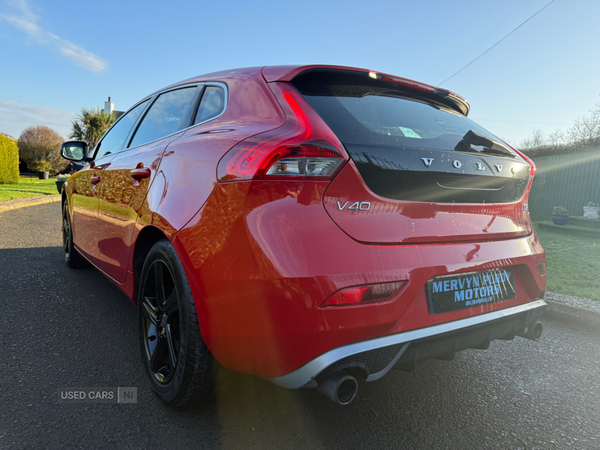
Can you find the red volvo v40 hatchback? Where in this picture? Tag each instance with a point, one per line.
(312, 225)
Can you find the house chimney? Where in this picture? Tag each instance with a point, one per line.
(109, 107)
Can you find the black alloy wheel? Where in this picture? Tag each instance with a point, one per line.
(160, 322)
(176, 360)
(72, 257)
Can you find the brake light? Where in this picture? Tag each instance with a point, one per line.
(364, 294)
(409, 84)
(304, 146)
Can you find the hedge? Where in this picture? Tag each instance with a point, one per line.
(553, 150)
(9, 161)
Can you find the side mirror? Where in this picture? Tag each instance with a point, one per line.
(74, 150)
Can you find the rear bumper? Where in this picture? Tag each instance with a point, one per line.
(261, 258)
(403, 350)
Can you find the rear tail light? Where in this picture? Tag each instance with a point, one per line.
(529, 161)
(364, 294)
(319, 166)
(303, 147)
(531, 171)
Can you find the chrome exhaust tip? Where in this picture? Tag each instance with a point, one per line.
(533, 332)
(340, 388)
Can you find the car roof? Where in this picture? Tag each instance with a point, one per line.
(289, 72)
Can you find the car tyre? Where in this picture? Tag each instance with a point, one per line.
(73, 258)
(176, 360)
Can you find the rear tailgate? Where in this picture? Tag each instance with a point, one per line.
(420, 170)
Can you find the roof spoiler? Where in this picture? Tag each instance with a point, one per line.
(314, 74)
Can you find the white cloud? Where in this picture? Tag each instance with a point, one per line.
(23, 7)
(82, 57)
(25, 20)
(16, 116)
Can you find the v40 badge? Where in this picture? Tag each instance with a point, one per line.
(356, 206)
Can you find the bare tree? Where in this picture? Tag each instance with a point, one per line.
(584, 133)
(595, 111)
(585, 130)
(537, 140)
(39, 147)
(557, 138)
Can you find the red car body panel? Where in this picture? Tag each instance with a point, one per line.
(258, 286)
(395, 221)
(83, 205)
(132, 171)
(190, 164)
(261, 256)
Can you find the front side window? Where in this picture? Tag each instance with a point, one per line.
(211, 105)
(114, 140)
(166, 116)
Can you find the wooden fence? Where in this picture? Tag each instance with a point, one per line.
(569, 180)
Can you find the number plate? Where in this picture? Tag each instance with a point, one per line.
(452, 292)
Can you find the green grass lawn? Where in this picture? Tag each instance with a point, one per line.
(572, 263)
(28, 187)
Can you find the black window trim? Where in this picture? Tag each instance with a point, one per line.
(225, 102)
(150, 97)
(191, 114)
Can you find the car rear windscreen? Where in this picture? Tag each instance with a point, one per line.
(406, 146)
(379, 119)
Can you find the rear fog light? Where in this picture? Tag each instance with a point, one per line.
(541, 267)
(364, 294)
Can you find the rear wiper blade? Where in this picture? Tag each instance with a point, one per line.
(489, 145)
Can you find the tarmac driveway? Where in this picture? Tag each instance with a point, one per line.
(66, 328)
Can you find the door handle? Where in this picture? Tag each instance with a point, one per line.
(140, 173)
(95, 179)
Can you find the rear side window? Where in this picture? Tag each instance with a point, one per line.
(114, 140)
(166, 116)
(211, 105)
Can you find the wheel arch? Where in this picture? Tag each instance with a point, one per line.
(64, 199)
(147, 237)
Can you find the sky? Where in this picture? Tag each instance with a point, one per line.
(57, 57)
